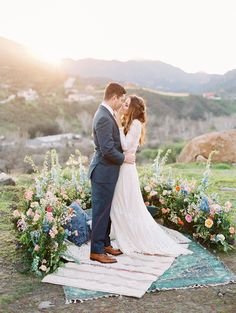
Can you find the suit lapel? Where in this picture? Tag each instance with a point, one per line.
(107, 111)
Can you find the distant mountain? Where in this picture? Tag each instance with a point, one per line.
(153, 74)
(20, 69)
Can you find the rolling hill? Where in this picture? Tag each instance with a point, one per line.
(154, 74)
(20, 69)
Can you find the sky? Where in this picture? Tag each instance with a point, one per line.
(194, 35)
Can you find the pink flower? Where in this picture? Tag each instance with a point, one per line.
(53, 232)
(36, 217)
(188, 218)
(165, 210)
(16, 213)
(76, 233)
(49, 209)
(77, 201)
(28, 195)
(188, 189)
(216, 207)
(162, 201)
(212, 212)
(21, 225)
(232, 230)
(49, 217)
(36, 248)
(30, 212)
(153, 193)
(212, 237)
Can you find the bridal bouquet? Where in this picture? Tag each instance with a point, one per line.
(41, 218)
(186, 206)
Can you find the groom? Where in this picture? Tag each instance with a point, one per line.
(104, 171)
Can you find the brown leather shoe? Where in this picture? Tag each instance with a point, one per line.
(102, 258)
(112, 251)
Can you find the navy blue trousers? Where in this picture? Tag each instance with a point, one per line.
(102, 194)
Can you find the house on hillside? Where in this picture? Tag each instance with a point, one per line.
(69, 83)
(28, 95)
(79, 97)
(10, 98)
(211, 95)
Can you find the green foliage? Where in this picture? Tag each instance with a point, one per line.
(44, 210)
(147, 155)
(187, 205)
(184, 204)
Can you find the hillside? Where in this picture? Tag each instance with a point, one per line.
(54, 109)
(51, 108)
(19, 69)
(154, 74)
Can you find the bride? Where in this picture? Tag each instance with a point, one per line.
(133, 227)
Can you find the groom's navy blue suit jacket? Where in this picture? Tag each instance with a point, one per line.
(104, 172)
(108, 155)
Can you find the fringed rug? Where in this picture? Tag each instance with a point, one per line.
(134, 278)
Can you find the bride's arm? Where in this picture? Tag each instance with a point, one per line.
(131, 139)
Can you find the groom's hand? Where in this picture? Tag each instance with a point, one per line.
(129, 158)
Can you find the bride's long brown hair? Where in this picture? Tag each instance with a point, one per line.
(136, 110)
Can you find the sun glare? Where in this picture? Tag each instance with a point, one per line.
(46, 56)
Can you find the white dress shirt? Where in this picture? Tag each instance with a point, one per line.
(108, 107)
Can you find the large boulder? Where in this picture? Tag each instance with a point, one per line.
(6, 180)
(200, 147)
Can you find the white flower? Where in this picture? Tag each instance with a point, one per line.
(228, 204)
(220, 237)
(165, 192)
(43, 268)
(147, 188)
(34, 204)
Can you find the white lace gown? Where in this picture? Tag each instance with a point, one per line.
(133, 227)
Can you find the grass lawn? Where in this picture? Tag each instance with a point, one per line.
(22, 292)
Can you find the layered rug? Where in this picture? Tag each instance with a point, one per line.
(83, 279)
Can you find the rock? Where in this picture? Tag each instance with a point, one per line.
(6, 180)
(201, 159)
(45, 305)
(200, 147)
(227, 189)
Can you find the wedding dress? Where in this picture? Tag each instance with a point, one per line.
(133, 227)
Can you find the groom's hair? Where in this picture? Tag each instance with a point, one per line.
(113, 89)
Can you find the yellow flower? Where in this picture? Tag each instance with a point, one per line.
(208, 223)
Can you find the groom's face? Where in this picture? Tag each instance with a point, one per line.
(118, 102)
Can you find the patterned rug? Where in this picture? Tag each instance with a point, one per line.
(199, 269)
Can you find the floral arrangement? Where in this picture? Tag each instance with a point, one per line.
(186, 206)
(45, 210)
